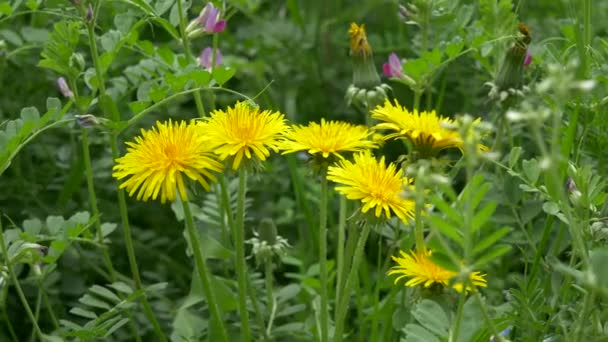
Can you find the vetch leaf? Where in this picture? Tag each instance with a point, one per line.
(432, 317)
(222, 74)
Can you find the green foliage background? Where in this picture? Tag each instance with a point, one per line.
(292, 56)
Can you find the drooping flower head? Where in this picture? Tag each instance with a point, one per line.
(243, 131)
(421, 270)
(157, 161)
(206, 58)
(428, 132)
(528, 59)
(393, 67)
(376, 185)
(327, 138)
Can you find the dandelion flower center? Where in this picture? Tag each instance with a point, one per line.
(327, 138)
(243, 131)
(376, 185)
(158, 159)
(421, 270)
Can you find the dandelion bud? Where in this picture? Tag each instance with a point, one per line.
(87, 120)
(268, 231)
(510, 74)
(89, 16)
(364, 70)
(64, 88)
(404, 14)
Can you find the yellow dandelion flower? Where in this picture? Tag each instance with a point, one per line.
(358, 40)
(243, 131)
(327, 138)
(158, 159)
(376, 185)
(418, 267)
(427, 131)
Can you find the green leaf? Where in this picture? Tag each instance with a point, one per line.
(142, 5)
(94, 302)
(32, 226)
(104, 293)
(531, 170)
(115, 326)
(107, 228)
(551, 208)
(222, 74)
(11, 37)
(416, 68)
(482, 216)
(5, 8)
(514, 155)
(200, 77)
(162, 6)
(138, 106)
(34, 35)
(599, 260)
(110, 40)
(157, 93)
(416, 333)
(53, 103)
(83, 313)
(493, 254)
(446, 228)
(432, 317)
(489, 240)
(454, 48)
(30, 114)
(167, 26)
(121, 287)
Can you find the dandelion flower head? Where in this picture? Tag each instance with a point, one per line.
(427, 131)
(243, 131)
(358, 40)
(157, 161)
(376, 185)
(327, 138)
(421, 270)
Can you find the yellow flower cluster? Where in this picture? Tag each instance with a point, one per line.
(159, 162)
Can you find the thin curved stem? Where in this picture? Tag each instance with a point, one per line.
(20, 293)
(203, 273)
(93, 202)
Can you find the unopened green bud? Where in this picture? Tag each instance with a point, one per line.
(511, 72)
(268, 231)
(77, 61)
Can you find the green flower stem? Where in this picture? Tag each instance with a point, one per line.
(115, 116)
(350, 280)
(459, 312)
(419, 227)
(9, 325)
(185, 41)
(351, 241)
(126, 228)
(20, 293)
(203, 273)
(323, 257)
(239, 240)
(93, 201)
(269, 293)
(340, 249)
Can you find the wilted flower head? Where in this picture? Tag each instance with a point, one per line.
(510, 74)
(206, 58)
(64, 88)
(243, 131)
(90, 12)
(393, 67)
(157, 161)
(359, 45)
(428, 132)
(376, 185)
(327, 138)
(87, 120)
(421, 270)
